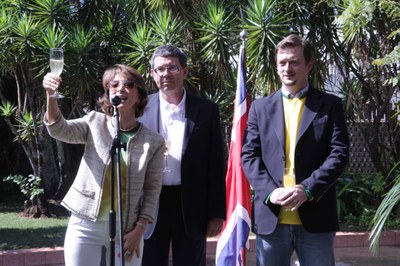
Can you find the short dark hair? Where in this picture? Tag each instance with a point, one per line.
(294, 40)
(129, 73)
(169, 50)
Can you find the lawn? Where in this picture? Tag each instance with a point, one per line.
(18, 232)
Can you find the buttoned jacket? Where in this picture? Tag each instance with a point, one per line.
(321, 154)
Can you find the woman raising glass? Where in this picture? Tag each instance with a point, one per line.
(89, 199)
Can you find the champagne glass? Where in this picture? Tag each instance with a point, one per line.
(289, 180)
(166, 153)
(56, 66)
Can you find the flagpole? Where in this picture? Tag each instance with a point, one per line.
(243, 36)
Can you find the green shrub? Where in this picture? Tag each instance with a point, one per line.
(359, 195)
(29, 186)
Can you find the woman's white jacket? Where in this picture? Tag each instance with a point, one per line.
(143, 174)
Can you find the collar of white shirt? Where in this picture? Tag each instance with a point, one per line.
(169, 114)
(166, 106)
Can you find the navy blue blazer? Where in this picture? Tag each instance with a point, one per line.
(203, 161)
(321, 155)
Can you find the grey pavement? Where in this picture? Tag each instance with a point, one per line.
(349, 256)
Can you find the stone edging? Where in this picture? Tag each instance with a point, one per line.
(54, 256)
(343, 239)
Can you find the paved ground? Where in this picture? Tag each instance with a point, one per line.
(360, 256)
(351, 256)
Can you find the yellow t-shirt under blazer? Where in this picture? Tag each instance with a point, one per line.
(293, 106)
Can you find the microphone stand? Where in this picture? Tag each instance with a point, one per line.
(115, 158)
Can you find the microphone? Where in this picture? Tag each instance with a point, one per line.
(115, 99)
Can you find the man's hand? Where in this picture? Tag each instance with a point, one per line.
(279, 195)
(289, 198)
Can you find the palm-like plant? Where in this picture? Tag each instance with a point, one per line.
(167, 29)
(139, 46)
(26, 128)
(385, 210)
(392, 8)
(327, 50)
(137, 43)
(216, 36)
(266, 26)
(19, 41)
(217, 31)
(23, 34)
(6, 55)
(7, 110)
(49, 12)
(365, 33)
(82, 66)
(392, 198)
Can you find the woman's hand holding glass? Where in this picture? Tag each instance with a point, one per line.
(56, 66)
(51, 83)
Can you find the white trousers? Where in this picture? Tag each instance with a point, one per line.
(85, 241)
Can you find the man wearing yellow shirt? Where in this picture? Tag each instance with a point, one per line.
(302, 129)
